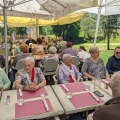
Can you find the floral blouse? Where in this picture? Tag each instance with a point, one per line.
(91, 68)
(21, 76)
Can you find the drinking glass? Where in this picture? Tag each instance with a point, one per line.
(69, 95)
(87, 87)
(20, 101)
(42, 94)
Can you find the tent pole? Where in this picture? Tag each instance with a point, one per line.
(5, 35)
(97, 25)
(37, 28)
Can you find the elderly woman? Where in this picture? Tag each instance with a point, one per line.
(4, 81)
(52, 51)
(29, 78)
(93, 64)
(24, 53)
(39, 49)
(68, 72)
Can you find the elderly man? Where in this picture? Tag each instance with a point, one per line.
(29, 78)
(113, 64)
(30, 40)
(69, 50)
(110, 110)
(68, 72)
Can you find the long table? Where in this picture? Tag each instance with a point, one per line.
(67, 104)
(7, 112)
(108, 90)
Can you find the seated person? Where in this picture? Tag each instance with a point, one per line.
(4, 81)
(2, 61)
(45, 44)
(52, 51)
(93, 63)
(24, 53)
(69, 50)
(113, 64)
(61, 45)
(39, 49)
(68, 72)
(29, 42)
(29, 78)
(83, 54)
(17, 49)
(110, 110)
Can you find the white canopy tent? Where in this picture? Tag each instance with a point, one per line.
(43, 9)
(104, 7)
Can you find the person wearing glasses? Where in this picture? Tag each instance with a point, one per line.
(29, 78)
(94, 63)
(113, 64)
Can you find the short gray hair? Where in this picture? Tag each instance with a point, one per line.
(115, 83)
(52, 50)
(65, 57)
(93, 49)
(29, 59)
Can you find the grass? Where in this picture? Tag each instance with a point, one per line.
(104, 54)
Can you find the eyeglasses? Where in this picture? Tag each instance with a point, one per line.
(117, 52)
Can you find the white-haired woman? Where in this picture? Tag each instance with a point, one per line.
(29, 78)
(93, 64)
(52, 54)
(68, 72)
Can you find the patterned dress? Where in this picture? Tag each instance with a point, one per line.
(91, 68)
(22, 77)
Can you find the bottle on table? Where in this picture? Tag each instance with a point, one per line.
(8, 100)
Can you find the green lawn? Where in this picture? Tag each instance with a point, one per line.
(104, 54)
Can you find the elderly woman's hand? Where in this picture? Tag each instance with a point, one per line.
(32, 87)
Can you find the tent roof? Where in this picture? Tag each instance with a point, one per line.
(24, 22)
(44, 9)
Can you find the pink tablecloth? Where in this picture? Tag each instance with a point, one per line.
(27, 94)
(74, 87)
(108, 80)
(84, 100)
(32, 108)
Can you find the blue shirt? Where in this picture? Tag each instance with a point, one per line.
(113, 65)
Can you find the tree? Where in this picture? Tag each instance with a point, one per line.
(109, 27)
(59, 30)
(72, 31)
(88, 25)
(46, 30)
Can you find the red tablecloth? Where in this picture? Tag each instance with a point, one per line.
(32, 108)
(27, 94)
(84, 100)
(74, 87)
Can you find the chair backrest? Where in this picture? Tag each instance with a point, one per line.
(50, 64)
(57, 71)
(75, 61)
(19, 64)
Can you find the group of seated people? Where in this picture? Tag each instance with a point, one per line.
(31, 78)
